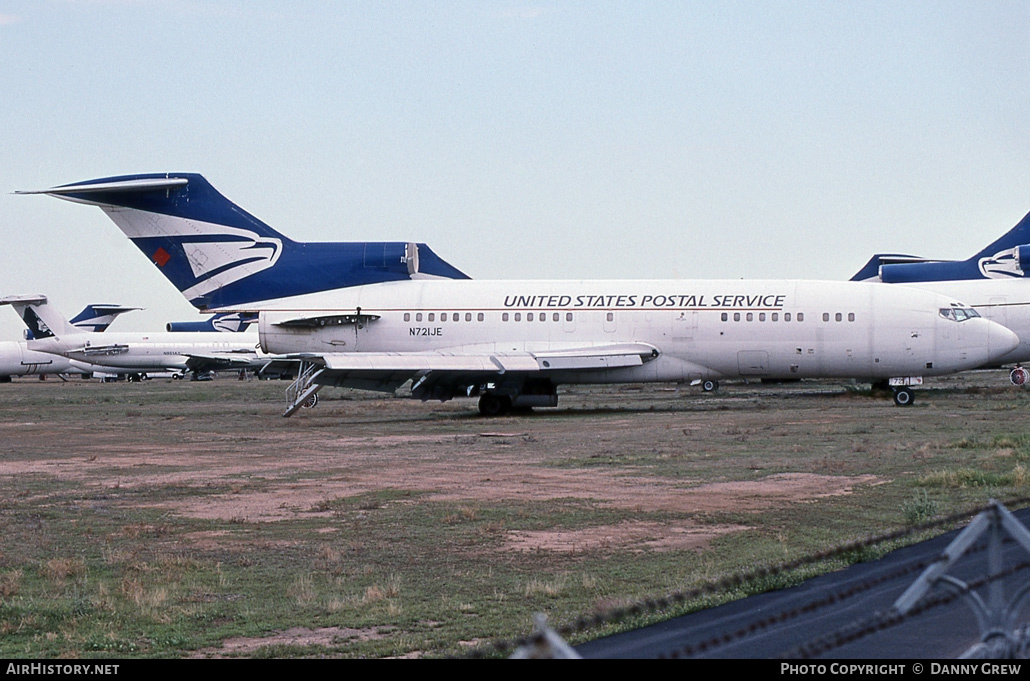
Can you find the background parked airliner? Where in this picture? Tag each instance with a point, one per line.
(17, 360)
(513, 342)
(134, 352)
(995, 282)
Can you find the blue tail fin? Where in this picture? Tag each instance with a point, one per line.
(218, 255)
(231, 322)
(1006, 258)
(98, 317)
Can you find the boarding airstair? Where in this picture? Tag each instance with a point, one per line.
(303, 392)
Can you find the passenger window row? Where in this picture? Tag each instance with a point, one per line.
(444, 316)
(775, 316)
(761, 316)
(539, 316)
(838, 317)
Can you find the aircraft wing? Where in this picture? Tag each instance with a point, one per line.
(446, 372)
(223, 362)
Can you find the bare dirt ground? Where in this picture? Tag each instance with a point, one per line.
(392, 444)
(711, 463)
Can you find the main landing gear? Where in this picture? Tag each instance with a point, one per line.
(904, 397)
(901, 390)
(491, 404)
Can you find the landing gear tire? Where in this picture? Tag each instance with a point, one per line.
(494, 405)
(904, 397)
(311, 402)
(710, 386)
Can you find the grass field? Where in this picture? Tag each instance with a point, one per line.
(171, 519)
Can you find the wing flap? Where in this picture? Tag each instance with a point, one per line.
(387, 362)
(224, 362)
(599, 358)
(445, 374)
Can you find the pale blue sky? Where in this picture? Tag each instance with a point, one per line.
(520, 140)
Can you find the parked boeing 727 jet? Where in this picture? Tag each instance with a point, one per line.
(134, 353)
(995, 282)
(17, 360)
(512, 343)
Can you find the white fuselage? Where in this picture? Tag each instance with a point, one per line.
(160, 351)
(701, 328)
(1005, 301)
(17, 360)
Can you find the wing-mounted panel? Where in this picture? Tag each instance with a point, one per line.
(224, 361)
(358, 319)
(598, 357)
(102, 350)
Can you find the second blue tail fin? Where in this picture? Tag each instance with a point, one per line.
(1006, 258)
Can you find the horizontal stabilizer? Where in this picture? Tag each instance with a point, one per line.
(37, 299)
(40, 318)
(99, 309)
(140, 185)
(97, 317)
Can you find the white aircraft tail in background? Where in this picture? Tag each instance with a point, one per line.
(17, 360)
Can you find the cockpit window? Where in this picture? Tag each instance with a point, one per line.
(959, 314)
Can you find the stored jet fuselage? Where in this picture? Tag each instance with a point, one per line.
(134, 352)
(160, 351)
(513, 342)
(371, 316)
(17, 360)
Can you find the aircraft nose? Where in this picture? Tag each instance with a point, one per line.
(1000, 341)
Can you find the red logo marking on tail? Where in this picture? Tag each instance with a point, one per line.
(161, 257)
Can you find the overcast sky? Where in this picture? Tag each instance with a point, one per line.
(534, 140)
